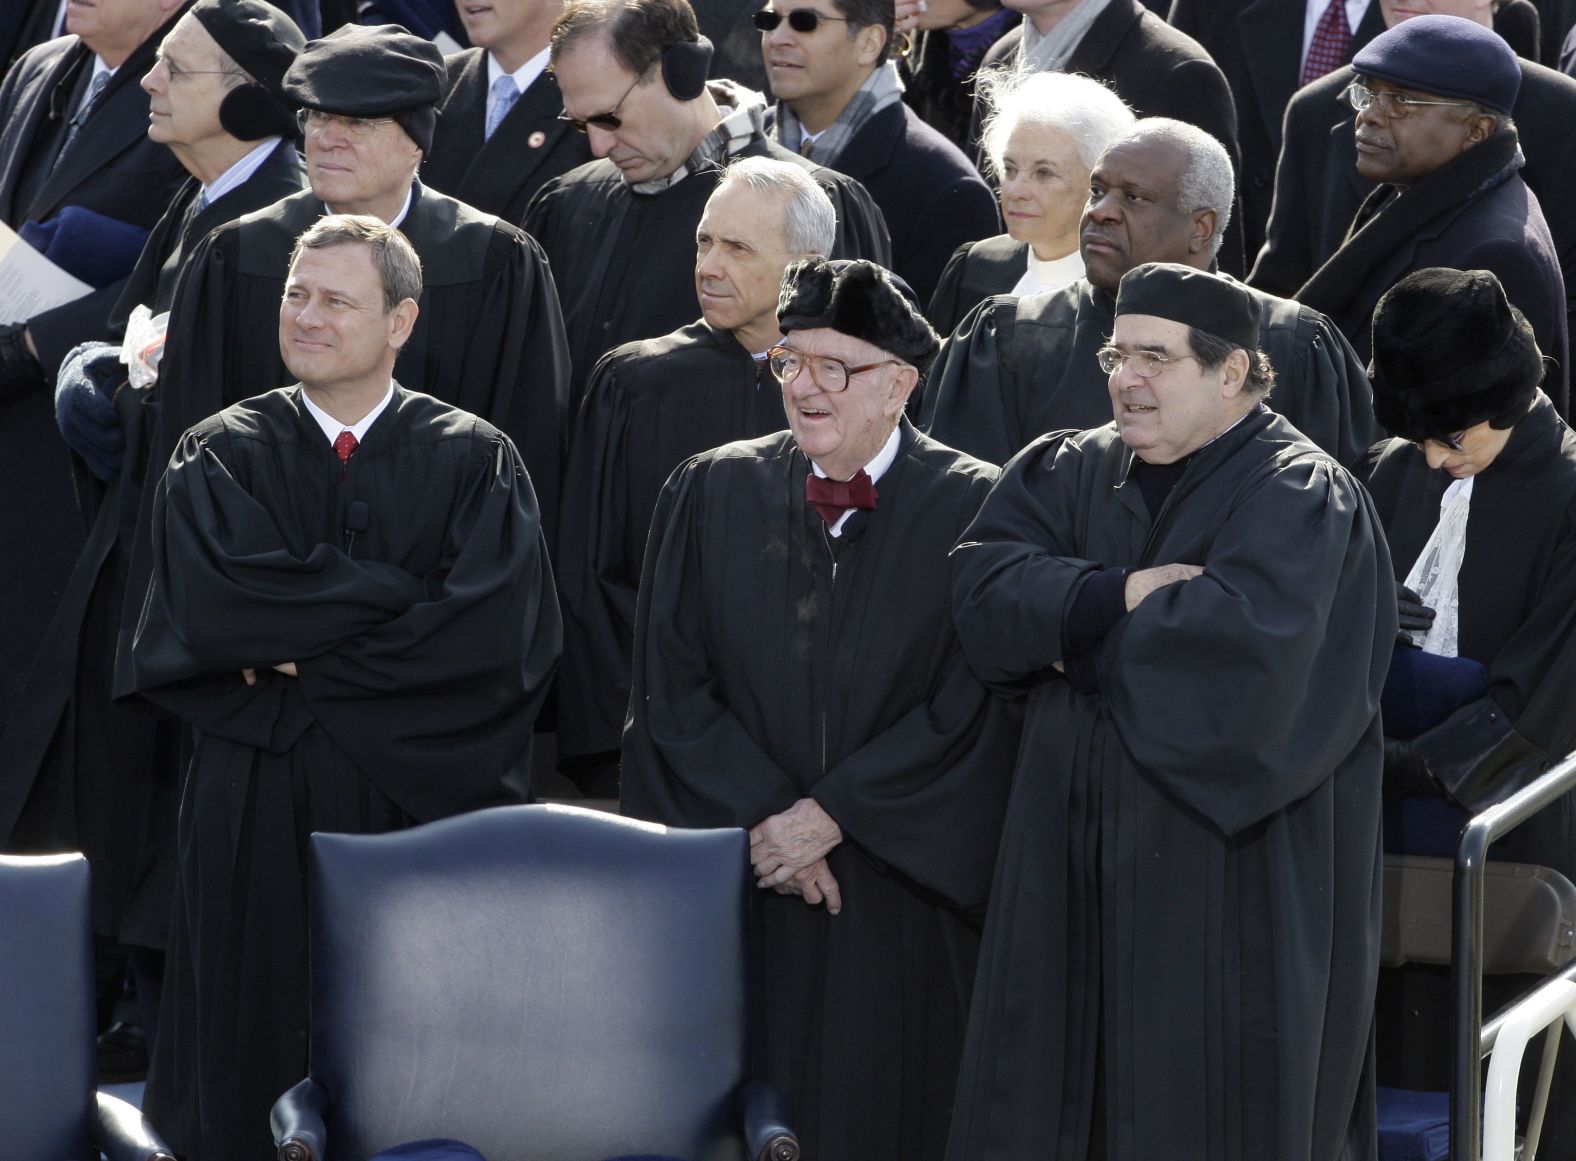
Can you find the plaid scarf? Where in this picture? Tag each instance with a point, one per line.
(743, 119)
(882, 87)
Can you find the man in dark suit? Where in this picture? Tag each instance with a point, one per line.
(840, 103)
(1318, 188)
(25, 23)
(499, 138)
(1264, 48)
(1433, 98)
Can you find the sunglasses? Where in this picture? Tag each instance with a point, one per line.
(609, 120)
(800, 20)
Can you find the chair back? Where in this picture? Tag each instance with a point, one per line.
(540, 982)
(46, 1006)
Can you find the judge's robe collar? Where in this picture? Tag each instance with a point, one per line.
(1200, 463)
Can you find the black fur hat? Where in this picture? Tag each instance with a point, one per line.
(1450, 352)
(859, 299)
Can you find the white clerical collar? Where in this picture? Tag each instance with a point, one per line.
(239, 172)
(875, 469)
(332, 427)
(1045, 274)
(410, 194)
(524, 77)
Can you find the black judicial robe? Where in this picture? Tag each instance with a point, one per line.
(424, 645)
(625, 261)
(1517, 589)
(1019, 367)
(649, 407)
(489, 338)
(499, 174)
(765, 671)
(976, 271)
(95, 774)
(1185, 913)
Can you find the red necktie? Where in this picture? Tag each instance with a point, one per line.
(345, 445)
(1332, 41)
(831, 498)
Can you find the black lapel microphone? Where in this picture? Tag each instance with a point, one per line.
(357, 516)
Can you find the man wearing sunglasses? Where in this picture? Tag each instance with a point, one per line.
(489, 338)
(795, 672)
(1191, 853)
(1434, 98)
(620, 230)
(840, 102)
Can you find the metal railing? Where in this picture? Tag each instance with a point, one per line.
(1470, 1040)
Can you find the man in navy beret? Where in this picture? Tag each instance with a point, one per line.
(1435, 98)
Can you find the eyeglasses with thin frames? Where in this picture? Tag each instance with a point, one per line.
(179, 74)
(1391, 105)
(829, 374)
(804, 20)
(1453, 442)
(609, 120)
(1145, 364)
(357, 129)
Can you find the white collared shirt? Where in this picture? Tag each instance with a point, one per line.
(875, 469)
(1313, 12)
(524, 77)
(332, 427)
(98, 67)
(240, 171)
(403, 210)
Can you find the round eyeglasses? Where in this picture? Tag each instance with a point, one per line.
(358, 129)
(1145, 364)
(829, 374)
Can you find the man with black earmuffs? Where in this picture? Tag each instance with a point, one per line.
(620, 231)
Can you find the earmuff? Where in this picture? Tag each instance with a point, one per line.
(685, 66)
(250, 112)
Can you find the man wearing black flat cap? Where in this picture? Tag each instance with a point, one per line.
(795, 672)
(1434, 97)
(489, 338)
(80, 771)
(619, 230)
(1477, 493)
(1183, 928)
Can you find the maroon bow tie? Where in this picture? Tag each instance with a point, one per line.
(831, 498)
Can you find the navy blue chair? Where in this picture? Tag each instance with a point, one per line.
(49, 1104)
(543, 983)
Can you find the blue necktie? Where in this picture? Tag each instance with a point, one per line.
(504, 94)
(100, 79)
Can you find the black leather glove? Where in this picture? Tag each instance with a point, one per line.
(20, 373)
(1415, 617)
(1406, 772)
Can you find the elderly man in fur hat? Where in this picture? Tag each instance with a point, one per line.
(795, 672)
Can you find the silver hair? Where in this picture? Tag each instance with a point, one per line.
(1207, 181)
(399, 268)
(1088, 112)
(809, 218)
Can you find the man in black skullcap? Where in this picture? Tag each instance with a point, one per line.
(489, 338)
(1434, 98)
(795, 672)
(1183, 931)
(619, 230)
(76, 770)
(1477, 494)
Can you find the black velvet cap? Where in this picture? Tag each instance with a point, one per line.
(1448, 56)
(859, 299)
(376, 71)
(1195, 298)
(1450, 352)
(259, 37)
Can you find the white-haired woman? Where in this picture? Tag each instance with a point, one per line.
(1042, 138)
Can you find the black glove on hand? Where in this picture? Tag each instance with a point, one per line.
(1415, 617)
(20, 373)
(1406, 772)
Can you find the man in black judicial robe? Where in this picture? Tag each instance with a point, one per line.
(1318, 190)
(1450, 191)
(360, 629)
(1184, 927)
(649, 407)
(618, 230)
(795, 672)
(113, 169)
(490, 338)
(494, 150)
(81, 771)
(1018, 367)
(1456, 373)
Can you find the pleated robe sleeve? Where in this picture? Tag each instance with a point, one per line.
(968, 399)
